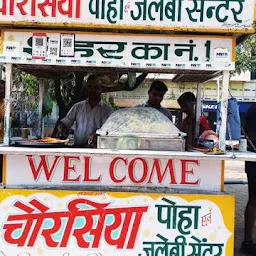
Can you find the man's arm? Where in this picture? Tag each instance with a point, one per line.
(62, 131)
(250, 125)
(204, 125)
(70, 118)
(169, 115)
(66, 123)
(252, 137)
(107, 111)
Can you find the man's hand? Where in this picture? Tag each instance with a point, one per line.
(62, 131)
(92, 141)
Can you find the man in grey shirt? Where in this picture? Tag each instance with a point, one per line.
(156, 94)
(88, 115)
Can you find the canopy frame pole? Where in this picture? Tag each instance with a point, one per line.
(224, 110)
(7, 112)
(198, 109)
(218, 89)
(40, 129)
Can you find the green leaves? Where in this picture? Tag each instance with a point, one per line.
(110, 101)
(246, 55)
(30, 83)
(47, 105)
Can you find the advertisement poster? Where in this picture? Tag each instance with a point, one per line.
(65, 223)
(67, 45)
(119, 50)
(39, 45)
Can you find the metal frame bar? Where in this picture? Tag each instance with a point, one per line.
(7, 113)
(40, 107)
(198, 109)
(224, 109)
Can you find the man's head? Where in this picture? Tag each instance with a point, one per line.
(2, 89)
(187, 103)
(156, 93)
(94, 88)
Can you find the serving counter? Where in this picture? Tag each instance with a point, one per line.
(57, 201)
(68, 200)
(236, 155)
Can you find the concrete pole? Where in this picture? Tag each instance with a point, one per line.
(224, 109)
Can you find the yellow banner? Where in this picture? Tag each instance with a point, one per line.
(72, 223)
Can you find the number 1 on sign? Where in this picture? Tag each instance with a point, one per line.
(207, 50)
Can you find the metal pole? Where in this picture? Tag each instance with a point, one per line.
(218, 89)
(40, 107)
(198, 109)
(43, 124)
(235, 182)
(1, 72)
(7, 113)
(224, 109)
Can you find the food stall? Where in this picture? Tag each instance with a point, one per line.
(113, 200)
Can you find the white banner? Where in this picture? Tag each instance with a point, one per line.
(118, 50)
(99, 170)
(182, 15)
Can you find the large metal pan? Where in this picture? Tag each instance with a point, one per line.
(39, 144)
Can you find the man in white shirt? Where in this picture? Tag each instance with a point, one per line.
(89, 115)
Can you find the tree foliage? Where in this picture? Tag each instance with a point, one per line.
(246, 55)
(30, 85)
(72, 88)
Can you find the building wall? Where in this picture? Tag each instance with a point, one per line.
(243, 91)
(241, 87)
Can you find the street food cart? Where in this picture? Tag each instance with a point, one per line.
(111, 202)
